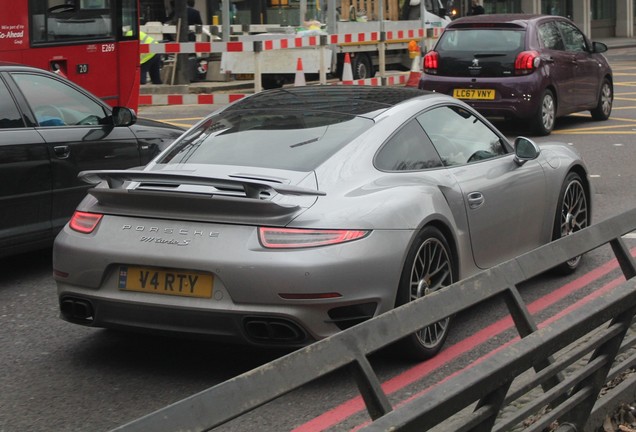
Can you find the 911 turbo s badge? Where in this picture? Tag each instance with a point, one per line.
(146, 239)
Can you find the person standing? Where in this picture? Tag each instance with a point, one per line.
(194, 16)
(150, 62)
(477, 8)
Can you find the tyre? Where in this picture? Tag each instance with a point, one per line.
(572, 215)
(546, 114)
(429, 266)
(605, 100)
(361, 67)
(272, 81)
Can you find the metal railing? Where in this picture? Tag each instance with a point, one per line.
(480, 391)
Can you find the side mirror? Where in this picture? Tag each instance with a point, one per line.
(599, 47)
(123, 116)
(525, 150)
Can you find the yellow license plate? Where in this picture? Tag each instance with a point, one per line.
(166, 281)
(483, 94)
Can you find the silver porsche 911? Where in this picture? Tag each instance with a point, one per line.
(295, 213)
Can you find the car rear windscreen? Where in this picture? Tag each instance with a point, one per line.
(479, 51)
(282, 139)
(482, 40)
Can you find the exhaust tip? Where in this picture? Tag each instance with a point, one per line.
(77, 310)
(273, 330)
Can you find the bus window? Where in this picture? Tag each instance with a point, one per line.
(57, 21)
(129, 22)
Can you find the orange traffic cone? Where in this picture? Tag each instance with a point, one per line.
(415, 74)
(299, 81)
(347, 72)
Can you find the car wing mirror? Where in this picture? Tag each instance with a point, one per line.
(525, 150)
(599, 47)
(123, 116)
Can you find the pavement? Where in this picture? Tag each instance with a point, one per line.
(247, 86)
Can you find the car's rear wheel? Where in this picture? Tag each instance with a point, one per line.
(605, 100)
(429, 266)
(572, 215)
(546, 114)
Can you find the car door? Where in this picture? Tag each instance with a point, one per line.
(558, 65)
(505, 203)
(585, 67)
(79, 134)
(25, 179)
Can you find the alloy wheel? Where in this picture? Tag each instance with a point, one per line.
(574, 212)
(431, 271)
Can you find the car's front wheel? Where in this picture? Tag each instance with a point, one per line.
(429, 266)
(546, 114)
(572, 215)
(605, 99)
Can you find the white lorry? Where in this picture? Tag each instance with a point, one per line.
(279, 66)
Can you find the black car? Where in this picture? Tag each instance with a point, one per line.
(50, 130)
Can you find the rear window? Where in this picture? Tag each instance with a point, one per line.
(482, 40)
(290, 140)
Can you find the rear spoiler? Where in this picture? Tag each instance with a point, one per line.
(252, 188)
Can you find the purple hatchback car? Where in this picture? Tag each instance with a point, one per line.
(531, 67)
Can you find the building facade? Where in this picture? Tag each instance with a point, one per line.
(597, 18)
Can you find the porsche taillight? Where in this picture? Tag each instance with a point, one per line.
(291, 238)
(526, 62)
(85, 222)
(431, 62)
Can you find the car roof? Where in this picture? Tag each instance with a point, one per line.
(519, 20)
(13, 65)
(10, 66)
(354, 100)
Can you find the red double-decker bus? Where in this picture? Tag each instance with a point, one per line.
(94, 43)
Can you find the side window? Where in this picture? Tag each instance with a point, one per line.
(459, 137)
(54, 103)
(572, 38)
(9, 114)
(550, 36)
(409, 149)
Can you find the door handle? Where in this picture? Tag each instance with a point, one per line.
(475, 200)
(62, 152)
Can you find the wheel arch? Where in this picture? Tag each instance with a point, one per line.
(452, 243)
(555, 95)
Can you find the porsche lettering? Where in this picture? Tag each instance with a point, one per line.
(177, 231)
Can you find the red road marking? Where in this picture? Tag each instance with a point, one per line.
(355, 405)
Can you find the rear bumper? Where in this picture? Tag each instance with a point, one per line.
(517, 97)
(253, 329)
(255, 291)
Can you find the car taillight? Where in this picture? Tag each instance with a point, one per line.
(431, 62)
(526, 62)
(289, 238)
(84, 222)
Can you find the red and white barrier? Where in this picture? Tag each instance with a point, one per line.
(276, 44)
(377, 81)
(214, 98)
(270, 45)
(189, 99)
